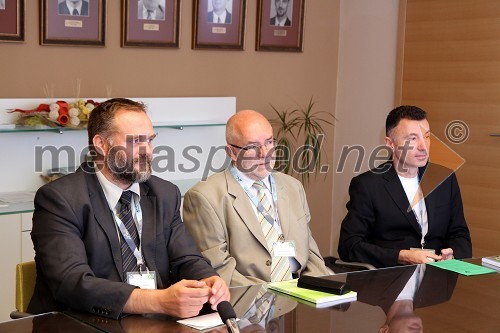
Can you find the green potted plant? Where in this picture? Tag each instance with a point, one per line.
(304, 124)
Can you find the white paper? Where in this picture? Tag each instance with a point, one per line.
(203, 322)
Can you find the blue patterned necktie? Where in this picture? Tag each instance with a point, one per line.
(125, 214)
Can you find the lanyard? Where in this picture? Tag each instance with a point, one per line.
(128, 238)
(254, 199)
(420, 220)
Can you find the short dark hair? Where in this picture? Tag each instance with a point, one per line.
(101, 118)
(409, 112)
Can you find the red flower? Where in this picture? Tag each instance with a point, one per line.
(63, 108)
(63, 118)
(43, 107)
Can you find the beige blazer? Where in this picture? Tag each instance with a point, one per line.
(219, 215)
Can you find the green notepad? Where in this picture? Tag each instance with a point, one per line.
(462, 267)
(319, 298)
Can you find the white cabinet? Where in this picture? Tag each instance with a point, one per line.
(27, 251)
(10, 251)
(15, 247)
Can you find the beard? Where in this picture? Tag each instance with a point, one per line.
(123, 169)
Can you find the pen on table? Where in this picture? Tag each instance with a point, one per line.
(4, 205)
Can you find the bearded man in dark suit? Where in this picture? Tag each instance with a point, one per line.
(111, 227)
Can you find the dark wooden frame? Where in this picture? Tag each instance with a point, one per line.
(12, 21)
(150, 33)
(207, 35)
(273, 38)
(62, 29)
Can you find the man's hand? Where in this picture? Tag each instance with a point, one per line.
(447, 254)
(417, 257)
(218, 290)
(183, 299)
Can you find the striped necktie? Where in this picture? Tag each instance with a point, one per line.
(125, 214)
(264, 307)
(280, 267)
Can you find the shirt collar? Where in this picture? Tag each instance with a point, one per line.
(222, 17)
(248, 182)
(113, 192)
(279, 23)
(78, 7)
(145, 12)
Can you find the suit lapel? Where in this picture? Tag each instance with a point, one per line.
(398, 195)
(104, 218)
(283, 211)
(431, 178)
(148, 207)
(242, 206)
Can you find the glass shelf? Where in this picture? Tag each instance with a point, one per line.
(41, 128)
(16, 208)
(191, 123)
(161, 124)
(26, 207)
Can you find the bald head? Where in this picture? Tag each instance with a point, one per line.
(250, 144)
(246, 124)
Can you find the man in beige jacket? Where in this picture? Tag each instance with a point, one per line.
(228, 213)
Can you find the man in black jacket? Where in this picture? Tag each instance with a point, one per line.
(406, 211)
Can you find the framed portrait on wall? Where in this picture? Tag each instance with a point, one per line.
(72, 22)
(12, 24)
(280, 25)
(150, 23)
(219, 24)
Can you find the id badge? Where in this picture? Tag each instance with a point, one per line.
(284, 249)
(144, 280)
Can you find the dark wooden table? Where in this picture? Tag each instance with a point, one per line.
(444, 302)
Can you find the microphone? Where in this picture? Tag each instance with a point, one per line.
(228, 316)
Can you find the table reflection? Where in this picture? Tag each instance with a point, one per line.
(259, 309)
(399, 292)
(399, 299)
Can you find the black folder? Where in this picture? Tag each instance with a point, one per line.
(325, 284)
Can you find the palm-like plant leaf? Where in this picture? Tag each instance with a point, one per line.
(301, 123)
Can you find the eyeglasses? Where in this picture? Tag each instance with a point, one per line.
(268, 144)
(137, 139)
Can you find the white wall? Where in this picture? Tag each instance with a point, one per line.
(365, 94)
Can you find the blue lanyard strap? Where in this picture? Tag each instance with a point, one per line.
(128, 238)
(255, 200)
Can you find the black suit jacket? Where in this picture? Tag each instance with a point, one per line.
(77, 248)
(64, 10)
(378, 223)
(210, 18)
